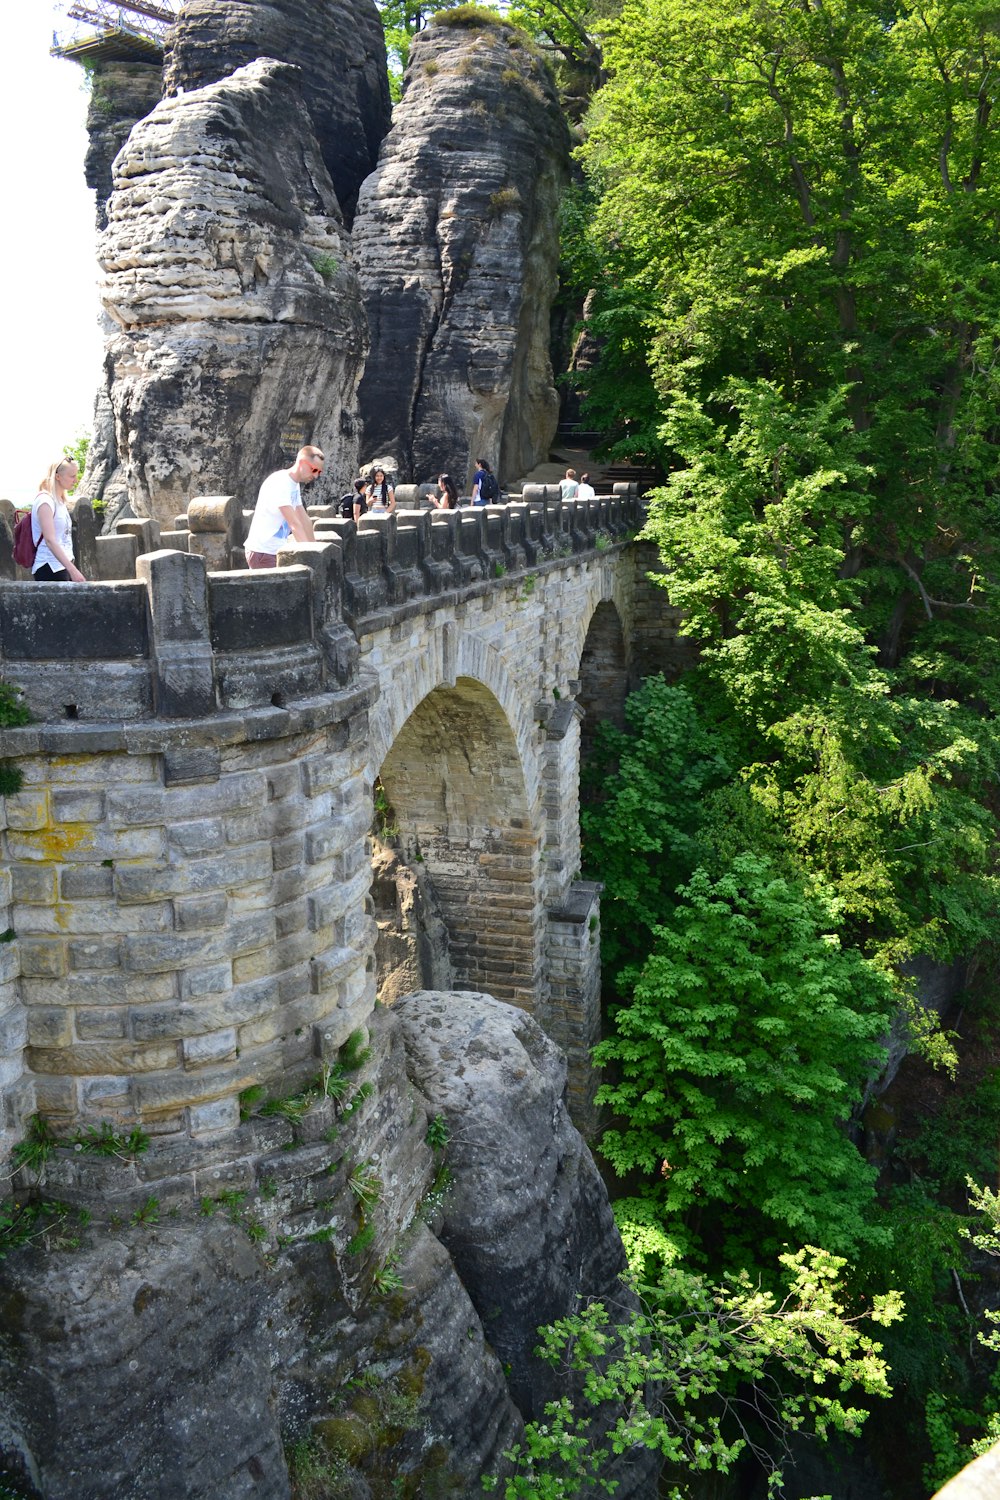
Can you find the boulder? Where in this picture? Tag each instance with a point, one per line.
(457, 244)
(339, 46)
(228, 274)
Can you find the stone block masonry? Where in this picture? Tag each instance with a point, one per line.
(186, 867)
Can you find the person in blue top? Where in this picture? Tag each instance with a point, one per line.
(485, 488)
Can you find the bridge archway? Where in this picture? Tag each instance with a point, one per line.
(461, 815)
(603, 674)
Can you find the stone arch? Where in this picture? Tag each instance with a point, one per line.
(603, 673)
(454, 779)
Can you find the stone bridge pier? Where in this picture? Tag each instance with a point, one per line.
(187, 865)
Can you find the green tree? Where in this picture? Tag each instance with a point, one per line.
(746, 1044)
(402, 19)
(702, 1374)
(644, 789)
(796, 207)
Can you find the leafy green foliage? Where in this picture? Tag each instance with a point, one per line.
(699, 1348)
(11, 779)
(39, 1142)
(747, 1041)
(644, 789)
(78, 449)
(13, 709)
(45, 1222)
(961, 1141)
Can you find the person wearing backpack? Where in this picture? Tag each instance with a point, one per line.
(52, 527)
(353, 507)
(485, 487)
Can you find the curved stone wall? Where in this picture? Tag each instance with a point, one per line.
(187, 861)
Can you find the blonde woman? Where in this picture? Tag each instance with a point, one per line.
(51, 527)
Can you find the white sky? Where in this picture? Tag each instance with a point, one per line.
(51, 349)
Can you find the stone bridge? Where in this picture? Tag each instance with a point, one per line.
(188, 863)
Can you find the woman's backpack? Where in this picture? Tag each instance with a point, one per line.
(25, 545)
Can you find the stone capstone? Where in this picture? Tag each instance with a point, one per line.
(457, 245)
(227, 271)
(339, 45)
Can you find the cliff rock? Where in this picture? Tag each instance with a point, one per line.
(457, 244)
(527, 1221)
(120, 94)
(227, 270)
(332, 1299)
(338, 45)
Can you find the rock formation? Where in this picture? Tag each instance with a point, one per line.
(411, 949)
(227, 270)
(120, 94)
(456, 239)
(193, 1354)
(338, 45)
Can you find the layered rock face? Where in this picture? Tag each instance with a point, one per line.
(121, 93)
(456, 240)
(339, 46)
(227, 270)
(191, 1354)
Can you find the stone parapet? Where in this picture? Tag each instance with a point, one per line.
(182, 640)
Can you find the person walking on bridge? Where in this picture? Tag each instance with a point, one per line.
(279, 512)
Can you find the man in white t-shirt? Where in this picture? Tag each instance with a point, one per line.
(585, 490)
(279, 512)
(568, 486)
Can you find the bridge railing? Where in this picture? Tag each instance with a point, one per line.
(184, 641)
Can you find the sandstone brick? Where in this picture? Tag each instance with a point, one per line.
(10, 962)
(107, 1056)
(34, 884)
(128, 808)
(206, 1119)
(103, 1023)
(80, 805)
(57, 1097)
(27, 810)
(107, 1096)
(316, 774)
(95, 918)
(283, 781)
(182, 767)
(85, 842)
(288, 852)
(13, 1030)
(86, 881)
(191, 912)
(211, 1047)
(41, 959)
(206, 979)
(197, 835)
(289, 920)
(327, 969)
(178, 1088)
(95, 953)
